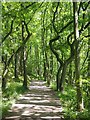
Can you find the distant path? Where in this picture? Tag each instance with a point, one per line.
(40, 103)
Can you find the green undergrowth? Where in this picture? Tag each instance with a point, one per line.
(68, 102)
(53, 85)
(10, 94)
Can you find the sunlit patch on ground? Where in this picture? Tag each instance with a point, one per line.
(40, 103)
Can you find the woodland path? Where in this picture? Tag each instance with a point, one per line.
(40, 103)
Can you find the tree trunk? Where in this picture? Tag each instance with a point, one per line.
(3, 83)
(51, 65)
(89, 48)
(21, 62)
(30, 60)
(47, 69)
(4, 60)
(77, 58)
(24, 60)
(70, 74)
(44, 74)
(63, 74)
(43, 46)
(15, 69)
(58, 77)
(37, 60)
(24, 70)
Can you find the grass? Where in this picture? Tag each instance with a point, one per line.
(10, 94)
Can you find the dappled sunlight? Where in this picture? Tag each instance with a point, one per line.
(38, 100)
(13, 118)
(38, 104)
(50, 118)
(39, 86)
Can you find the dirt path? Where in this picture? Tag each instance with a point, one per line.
(40, 103)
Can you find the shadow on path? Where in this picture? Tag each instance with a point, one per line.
(40, 103)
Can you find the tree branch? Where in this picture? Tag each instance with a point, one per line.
(53, 21)
(52, 49)
(11, 28)
(85, 59)
(82, 29)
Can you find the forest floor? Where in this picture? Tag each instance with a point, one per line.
(39, 103)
